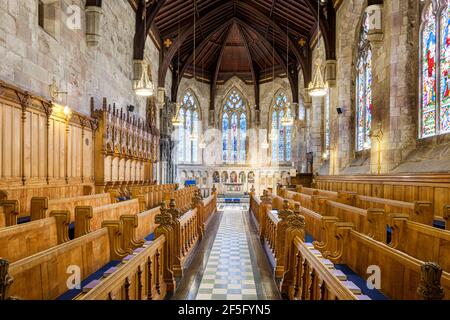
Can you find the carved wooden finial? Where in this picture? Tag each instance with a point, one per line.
(5, 280)
(265, 198)
(430, 282)
(253, 190)
(164, 219)
(197, 198)
(286, 212)
(173, 211)
(214, 190)
(296, 221)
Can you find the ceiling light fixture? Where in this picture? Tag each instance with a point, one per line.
(144, 86)
(287, 120)
(176, 121)
(318, 87)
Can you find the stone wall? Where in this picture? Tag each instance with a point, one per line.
(395, 96)
(31, 57)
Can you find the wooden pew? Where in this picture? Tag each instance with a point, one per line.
(419, 211)
(400, 273)
(187, 233)
(136, 227)
(420, 241)
(44, 275)
(89, 219)
(2, 218)
(305, 274)
(308, 276)
(141, 278)
(21, 241)
(24, 194)
(9, 211)
(42, 206)
(433, 188)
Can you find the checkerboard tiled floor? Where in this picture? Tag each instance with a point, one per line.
(229, 274)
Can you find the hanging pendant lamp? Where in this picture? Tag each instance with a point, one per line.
(287, 119)
(144, 86)
(318, 87)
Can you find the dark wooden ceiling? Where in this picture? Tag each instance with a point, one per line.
(246, 38)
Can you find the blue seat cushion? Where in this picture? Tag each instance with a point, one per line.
(23, 220)
(71, 294)
(150, 237)
(72, 231)
(309, 238)
(439, 224)
(373, 294)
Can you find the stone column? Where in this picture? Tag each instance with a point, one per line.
(380, 112)
(330, 72)
(316, 131)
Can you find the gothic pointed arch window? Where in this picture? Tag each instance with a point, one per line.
(282, 146)
(234, 128)
(189, 130)
(435, 69)
(364, 99)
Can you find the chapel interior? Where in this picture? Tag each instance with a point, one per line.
(224, 150)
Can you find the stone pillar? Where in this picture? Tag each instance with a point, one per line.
(380, 112)
(330, 72)
(316, 131)
(211, 118)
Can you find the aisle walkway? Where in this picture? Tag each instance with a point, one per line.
(229, 271)
(230, 263)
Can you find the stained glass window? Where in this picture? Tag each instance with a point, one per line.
(196, 134)
(364, 90)
(234, 129)
(282, 146)
(435, 68)
(225, 137)
(188, 150)
(243, 142)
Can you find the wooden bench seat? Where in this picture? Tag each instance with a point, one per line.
(359, 251)
(433, 188)
(419, 211)
(42, 206)
(89, 219)
(24, 194)
(420, 241)
(21, 241)
(140, 278)
(328, 283)
(136, 228)
(2, 218)
(339, 242)
(44, 276)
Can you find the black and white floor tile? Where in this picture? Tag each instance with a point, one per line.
(229, 271)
